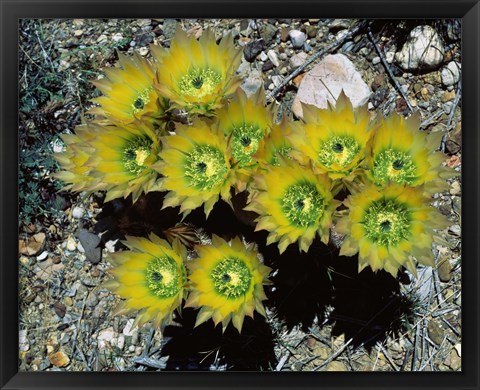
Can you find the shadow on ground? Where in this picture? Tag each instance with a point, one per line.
(365, 306)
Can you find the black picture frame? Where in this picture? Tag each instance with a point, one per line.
(12, 10)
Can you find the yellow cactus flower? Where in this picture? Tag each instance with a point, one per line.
(294, 204)
(402, 154)
(389, 227)
(245, 122)
(75, 173)
(150, 277)
(226, 282)
(195, 167)
(277, 145)
(335, 139)
(128, 92)
(197, 75)
(112, 157)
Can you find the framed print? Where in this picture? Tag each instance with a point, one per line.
(249, 195)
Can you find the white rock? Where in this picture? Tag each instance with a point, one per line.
(298, 38)
(117, 37)
(42, 256)
(298, 60)
(143, 51)
(390, 56)
(58, 146)
(277, 80)
(110, 246)
(106, 338)
(23, 341)
(324, 82)
(451, 74)
(375, 60)
(120, 341)
(127, 330)
(458, 348)
(78, 212)
(273, 57)
(263, 56)
(71, 244)
(422, 50)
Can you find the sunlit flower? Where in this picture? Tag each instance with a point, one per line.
(195, 167)
(150, 277)
(226, 282)
(110, 157)
(334, 139)
(197, 75)
(75, 173)
(389, 227)
(128, 91)
(277, 145)
(245, 122)
(402, 154)
(294, 204)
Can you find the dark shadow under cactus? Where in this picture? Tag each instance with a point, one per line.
(206, 348)
(366, 306)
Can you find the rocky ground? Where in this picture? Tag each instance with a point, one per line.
(65, 314)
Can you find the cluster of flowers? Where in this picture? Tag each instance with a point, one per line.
(294, 171)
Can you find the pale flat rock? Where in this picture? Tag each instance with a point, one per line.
(326, 80)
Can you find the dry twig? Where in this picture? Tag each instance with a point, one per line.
(389, 72)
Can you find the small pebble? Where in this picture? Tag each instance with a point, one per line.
(273, 57)
(43, 256)
(297, 38)
(298, 60)
(390, 56)
(117, 37)
(59, 359)
(447, 107)
(127, 330)
(78, 212)
(71, 244)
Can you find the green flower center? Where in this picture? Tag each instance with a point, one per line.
(205, 167)
(135, 154)
(199, 82)
(163, 277)
(141, 101)
(393, 165)
(387, 222)
(231, 277)
(282, 151)
(245, 140)
(302, 204)
(341, 150)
